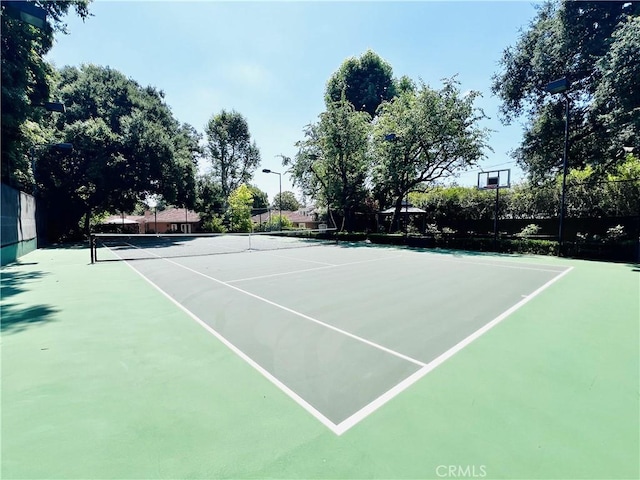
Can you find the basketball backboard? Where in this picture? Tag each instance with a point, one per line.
(494, 179)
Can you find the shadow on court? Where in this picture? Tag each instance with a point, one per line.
(14, 317)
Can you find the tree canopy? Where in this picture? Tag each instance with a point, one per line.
(233, 155)
(332, 162)
(26, 83)
(260, 198)
(595, 46)
(126, 145)
(365, 81)
(425, 136)
(286, 201)
(240, 201)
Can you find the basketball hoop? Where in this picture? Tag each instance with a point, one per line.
(495, 180)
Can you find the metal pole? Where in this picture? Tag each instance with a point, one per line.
(32, 151)
(564, 176)
(155, 224)
(280, 182)
(406, 215)
(495, 216)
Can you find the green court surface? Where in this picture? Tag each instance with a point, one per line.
(341, 361)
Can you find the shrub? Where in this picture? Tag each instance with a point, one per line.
(615, 234)
(432, 230)
(273, 224)
(214, 225)
(529, 231)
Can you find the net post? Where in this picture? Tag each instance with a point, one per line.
(92, 244)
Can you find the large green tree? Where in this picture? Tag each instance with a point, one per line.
(424, 136)
(286, 201)
(365, 81)
(26, 83)
(594, 45)
(617, 95)
(126, 145)
(332, 163)
(233, 154)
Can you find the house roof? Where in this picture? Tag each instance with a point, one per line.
(173, 215)
(169, 215)
(298, 216)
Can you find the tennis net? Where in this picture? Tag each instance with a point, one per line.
(149, 246)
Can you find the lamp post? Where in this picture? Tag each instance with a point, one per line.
(562, 86)
(266, 170)
(27, 12)
(52, 106)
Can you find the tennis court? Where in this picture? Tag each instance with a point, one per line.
(319, 363)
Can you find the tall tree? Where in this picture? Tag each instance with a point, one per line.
(126, 145)
(332, 162)
(426, 136)
(26, 82)
(571, 39)
(234, 156)
(365, 81)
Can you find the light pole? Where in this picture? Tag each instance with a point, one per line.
(562, 86)
(266, 170)
(52, 106)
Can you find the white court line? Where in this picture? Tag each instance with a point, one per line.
(499, 265)
(524, 266)
(302, 315)
(364, 412)
(293, 395)
(311, 269)
(378, 402)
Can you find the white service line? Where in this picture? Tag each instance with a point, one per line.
(301, 315)
(384, 398)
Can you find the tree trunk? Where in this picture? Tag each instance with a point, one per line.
(87, 223)
(395, 220)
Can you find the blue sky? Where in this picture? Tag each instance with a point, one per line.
(270, 60)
